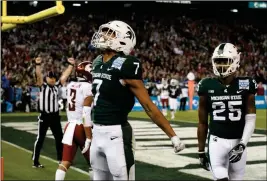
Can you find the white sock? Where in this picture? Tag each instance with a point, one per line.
(60, 174)
(172, 113)
(166, 111)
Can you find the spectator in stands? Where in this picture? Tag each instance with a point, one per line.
(26, 99)
(260, 90)
(167, 48)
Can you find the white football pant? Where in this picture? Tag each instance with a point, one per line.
(218, 149)
(173, 104)
(112, 152)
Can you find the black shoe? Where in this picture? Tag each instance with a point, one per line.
(37, 165)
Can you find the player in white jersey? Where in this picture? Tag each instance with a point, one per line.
(174, 92)
(164, 96)
(77, 134)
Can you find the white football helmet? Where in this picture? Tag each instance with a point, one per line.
(174, 82)
(225, 60)
(115, 35)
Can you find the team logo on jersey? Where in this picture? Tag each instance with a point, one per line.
(211, 91)
(117, 64)
(244, 84)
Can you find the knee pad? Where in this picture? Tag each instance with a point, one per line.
(219, 172)
(120, 172)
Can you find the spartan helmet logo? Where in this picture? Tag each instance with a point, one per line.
(130, 33)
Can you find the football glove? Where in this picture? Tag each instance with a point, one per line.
(204, 161)
(177, 144)
(236, 153)
(86, 145)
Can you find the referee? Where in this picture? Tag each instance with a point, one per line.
(49, 111)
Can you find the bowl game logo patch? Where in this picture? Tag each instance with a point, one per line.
(244, 84)
(117, 64)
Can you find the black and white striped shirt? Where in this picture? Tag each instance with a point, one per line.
(48, 98)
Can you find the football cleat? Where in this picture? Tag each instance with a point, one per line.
(37, 165)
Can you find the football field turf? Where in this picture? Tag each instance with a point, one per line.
(154, 155)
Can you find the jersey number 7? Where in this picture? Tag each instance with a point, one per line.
(98, 83)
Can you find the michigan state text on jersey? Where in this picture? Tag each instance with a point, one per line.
(112, 99)
(227, 105)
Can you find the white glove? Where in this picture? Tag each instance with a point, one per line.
(177, 144)
(86, 145)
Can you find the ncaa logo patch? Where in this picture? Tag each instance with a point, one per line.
(244, 84)
(117, 64)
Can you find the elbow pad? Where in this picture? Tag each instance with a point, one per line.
(87, 116)
(249, 128)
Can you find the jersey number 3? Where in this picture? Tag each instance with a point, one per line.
(72, 100)
(222, 108)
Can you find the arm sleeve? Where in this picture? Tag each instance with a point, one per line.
(249, 128)
(87, 116)
(131, 69)
(87, 91)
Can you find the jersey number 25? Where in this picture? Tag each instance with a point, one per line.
(222, 109)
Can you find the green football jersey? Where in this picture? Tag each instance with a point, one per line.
(227, 105)
(112, 99)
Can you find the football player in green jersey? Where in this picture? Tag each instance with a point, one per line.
(229, 101)
(117, 79)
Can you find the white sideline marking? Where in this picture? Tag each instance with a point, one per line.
(47, 158)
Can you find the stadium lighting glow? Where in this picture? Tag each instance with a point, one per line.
(76, 4)
(234, 10)
(33, 3)
(86, 2)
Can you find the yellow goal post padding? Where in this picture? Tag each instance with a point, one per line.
(10, 22)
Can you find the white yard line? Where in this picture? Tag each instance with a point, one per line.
(181, 121)
(48, 158)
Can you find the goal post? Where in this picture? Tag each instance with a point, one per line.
(9, 22)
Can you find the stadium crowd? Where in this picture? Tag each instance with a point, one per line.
(167, 48)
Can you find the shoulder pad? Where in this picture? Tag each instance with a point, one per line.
(97, 60)
(131, 68)
(202, 86)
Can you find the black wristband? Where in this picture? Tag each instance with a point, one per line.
(37, 63)
(70, 64)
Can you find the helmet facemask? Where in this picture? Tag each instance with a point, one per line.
(103, 39)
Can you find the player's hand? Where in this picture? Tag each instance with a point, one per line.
(86, 145)
(236, 153)
(38, 60)
(177, 144)
(204, 161)
(71, 61)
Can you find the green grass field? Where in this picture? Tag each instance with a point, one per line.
(17, 166)
(17, 159)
